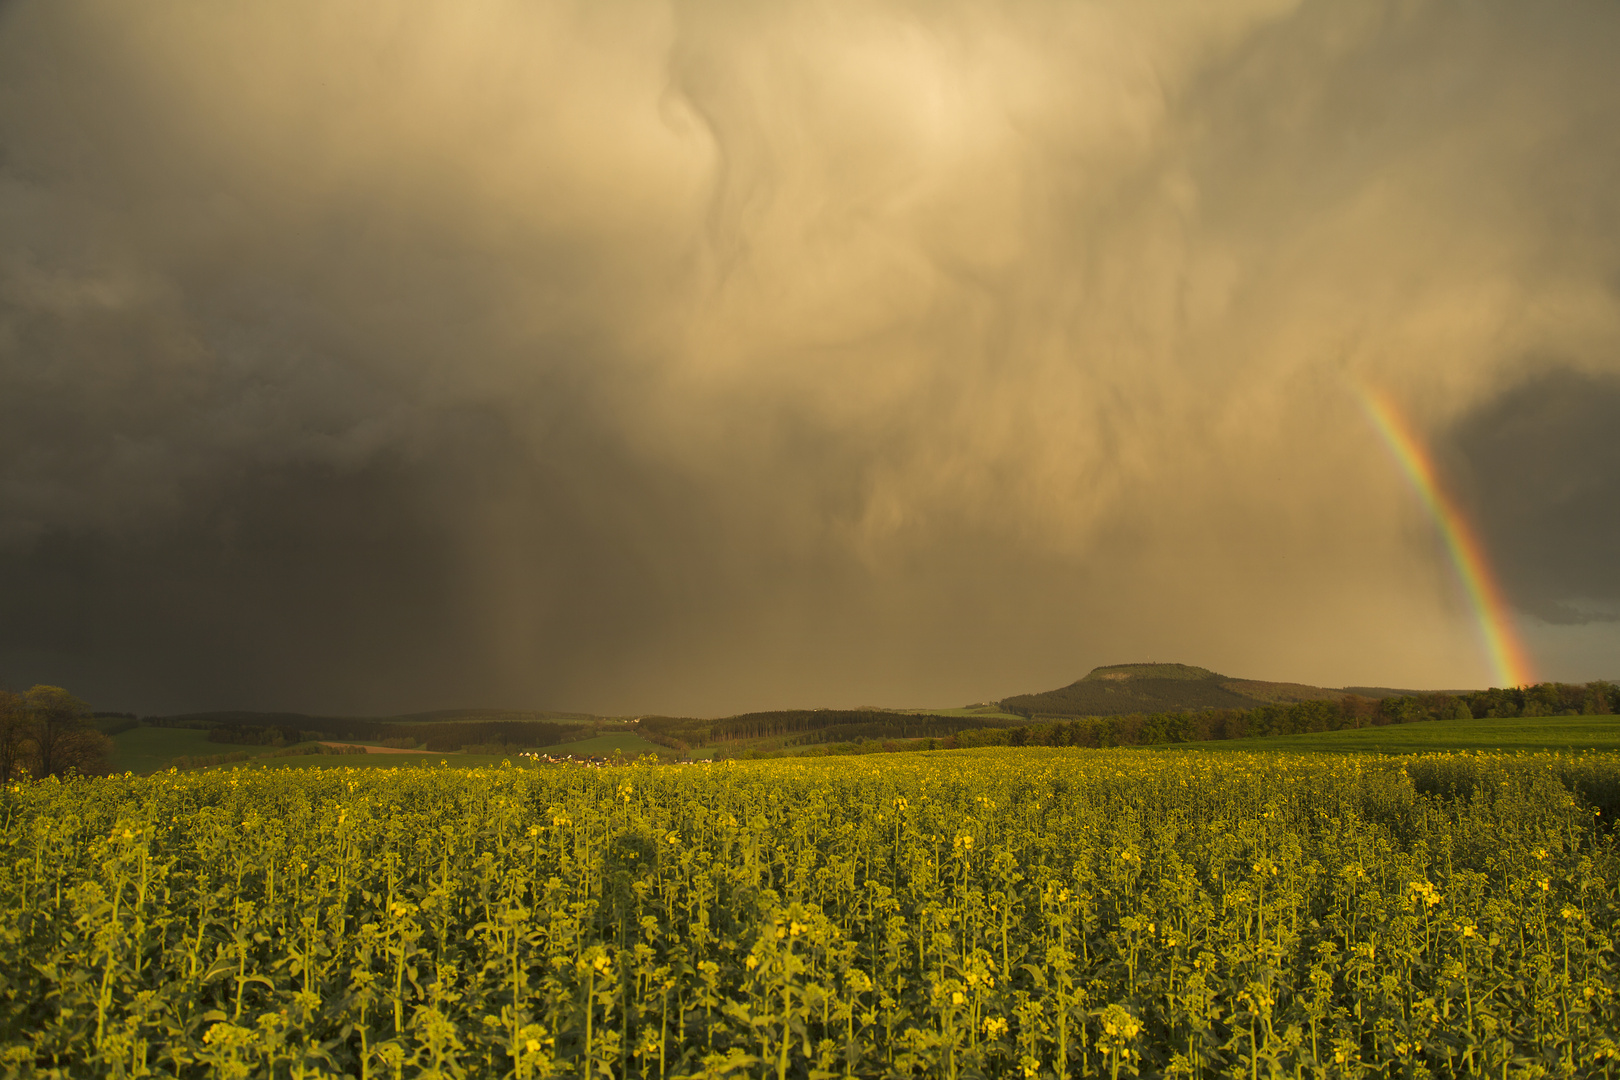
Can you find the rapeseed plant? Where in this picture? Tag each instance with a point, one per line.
(997, 913)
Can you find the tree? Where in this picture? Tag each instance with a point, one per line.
(13, 735)
(58, 735)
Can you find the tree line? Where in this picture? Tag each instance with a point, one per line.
(802, 726)
(1351, 711)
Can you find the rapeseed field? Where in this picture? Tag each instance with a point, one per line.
(1000, 913)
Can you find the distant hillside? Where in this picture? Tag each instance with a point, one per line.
(1121, 689)
(452, 729)
(1286, 693)
(308, 721)
(1390, 691)
(229, 716)
(443, 730)
(806, 726)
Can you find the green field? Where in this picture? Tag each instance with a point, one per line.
(148, 749)
(1543, 733)
(1016, 914)
(144, 750)
(629, 745)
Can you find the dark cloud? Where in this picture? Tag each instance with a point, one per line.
(705, 356)
(1542, 463)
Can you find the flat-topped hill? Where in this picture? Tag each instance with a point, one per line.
(1119, 689)
(1124, 672)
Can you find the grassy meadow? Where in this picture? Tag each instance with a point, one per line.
(148, 749)
(1024, 913)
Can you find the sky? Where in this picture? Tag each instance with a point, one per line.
(695, 357)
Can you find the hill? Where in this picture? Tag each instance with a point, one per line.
(1122, 689)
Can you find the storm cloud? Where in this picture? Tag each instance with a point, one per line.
(694, 357)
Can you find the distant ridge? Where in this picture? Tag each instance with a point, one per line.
(437, 716)
(1389, 691)
(1120, 689)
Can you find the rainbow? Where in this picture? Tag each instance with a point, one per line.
(1507, 653)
